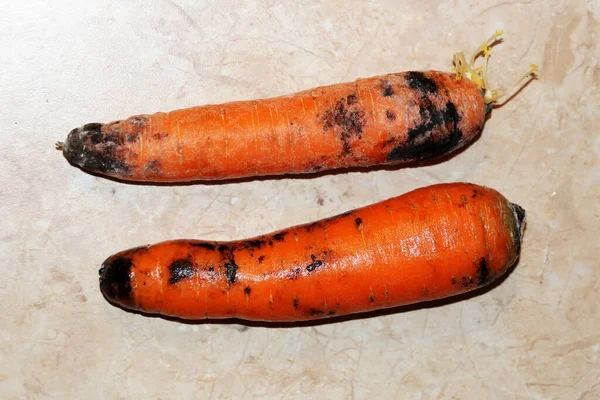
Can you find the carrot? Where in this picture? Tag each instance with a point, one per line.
(428, 244)
(389, 119)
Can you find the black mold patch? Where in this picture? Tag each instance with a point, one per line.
(204, 245)
(247, 290)
(466, 282)
(315, 311)
(387, 89)
(295, 273)
(482, 272)
(132, 137)
(422, 144)
(115, 278)
(180, 270)
(230, 271)
(255, 243)
(261, 259)
(371, 297)
(315, 264)
(352, 99)
(279, 237)
(348, 120)
(474, 193)
(152, 167)
(96, 150)
(418, 81)
(296, 303)
(223, 248)
(390, 115)
(94, 132)
(358, 223)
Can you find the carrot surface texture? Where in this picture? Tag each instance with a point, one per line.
(388, 119)
(428, 244)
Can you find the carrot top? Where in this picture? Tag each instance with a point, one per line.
(479, 75)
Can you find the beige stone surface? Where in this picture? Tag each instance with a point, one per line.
(66, 63)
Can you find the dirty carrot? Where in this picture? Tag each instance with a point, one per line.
(431, 243)
(388, 119)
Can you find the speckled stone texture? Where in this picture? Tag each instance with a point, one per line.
(67, 63)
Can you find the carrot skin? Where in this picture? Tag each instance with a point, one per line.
(388, 119)
(431, 243)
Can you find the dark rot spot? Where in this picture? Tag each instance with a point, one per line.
(138, 120)
(422, 143)
(466, 282)
(474, 193)
(247, 290)
(352, 99)
(94, 132)
(348, 121)
(315, 264)
(152, 167)
(453, 280)
(295, 273)
(115, 279)
(132, 137)
(261, 259)
(332, 312)
(279, 237)
(371, 297)
(255, 243)
(390, 115)
(180, 270)
(315, 311)
(296, 303)
(204, 245)
(95, 149)
(160, 135)
(418, 81)
(223, 248)
(358, 223)
(387, 89)
(230, 271)
(482, 272)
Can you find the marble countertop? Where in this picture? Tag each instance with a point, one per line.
(66, 63)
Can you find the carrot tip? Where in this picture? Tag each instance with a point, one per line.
(479, 74)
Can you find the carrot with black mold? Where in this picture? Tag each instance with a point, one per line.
(428, 244)
(389, 119)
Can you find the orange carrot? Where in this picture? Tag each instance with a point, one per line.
(389, 119)
(428, 244)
